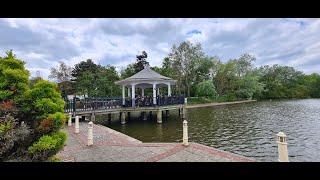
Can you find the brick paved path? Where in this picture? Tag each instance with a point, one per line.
(112, 146)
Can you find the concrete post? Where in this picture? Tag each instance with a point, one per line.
(167, 113)
(169, 89)
(185, 101)
(282, 147)
(123, 117)
(76, 127)
(93, 117)
(142, 92)
(185, 133)
(70, 120)
(90, 133)
(159, 116)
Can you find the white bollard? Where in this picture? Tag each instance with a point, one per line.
(76, 127)
(282, 147)
(185, 133)
(70, 120)
(90, 133)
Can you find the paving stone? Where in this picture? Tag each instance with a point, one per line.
(112, 146)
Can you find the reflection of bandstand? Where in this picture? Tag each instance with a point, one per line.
(146, 78)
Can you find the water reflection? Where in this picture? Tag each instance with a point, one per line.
(246, 129)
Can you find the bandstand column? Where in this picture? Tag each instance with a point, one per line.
(129, 93)
(123, 95)
(154, 93)
(169, 89)
(142, 92)
(133, 95)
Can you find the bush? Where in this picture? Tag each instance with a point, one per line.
(12, 137)
(54, 159)
(206, 89)
(47, 146)
(52, 123)
(227, 98)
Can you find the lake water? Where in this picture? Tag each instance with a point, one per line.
(245, 129)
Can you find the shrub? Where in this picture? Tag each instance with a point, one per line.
(52, 123)
(206, 89)
(47, 146)
(227, 98)
(12, 137)
(54, 159)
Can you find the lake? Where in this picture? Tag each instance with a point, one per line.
(245, 129)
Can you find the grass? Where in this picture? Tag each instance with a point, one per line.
(206, 100)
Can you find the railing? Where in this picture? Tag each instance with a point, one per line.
(91, 104)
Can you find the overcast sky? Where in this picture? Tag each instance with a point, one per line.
(41, 43)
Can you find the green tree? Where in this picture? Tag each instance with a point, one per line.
(206, 89)
(185, 61)
(13, 77)
(62, 75)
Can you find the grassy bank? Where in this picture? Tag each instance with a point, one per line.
(205, 100)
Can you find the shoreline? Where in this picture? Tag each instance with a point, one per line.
(218, 104)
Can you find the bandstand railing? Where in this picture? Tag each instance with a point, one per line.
(92, 104)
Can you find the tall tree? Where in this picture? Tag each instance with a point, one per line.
(13, 77)
(185, 59)
(141, 62)
(62, 75)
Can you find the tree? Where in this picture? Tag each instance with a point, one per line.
(225, 78)
(61, 73)
(13, 77)
(95, 80)
(185, 60)
(83, 67)
(141, 62)
(206, 89)
(128, 71)
(32, 103)
(244, 64)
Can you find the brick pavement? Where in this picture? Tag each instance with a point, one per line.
(112, 146)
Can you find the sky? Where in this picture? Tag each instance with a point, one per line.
(42, 42)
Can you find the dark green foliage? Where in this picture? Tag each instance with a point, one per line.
(140, 62)
(94, 80)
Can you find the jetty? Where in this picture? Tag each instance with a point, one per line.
(112, 146)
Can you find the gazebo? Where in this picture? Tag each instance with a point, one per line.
(146, 78)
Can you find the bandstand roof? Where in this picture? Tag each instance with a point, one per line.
(145, 78)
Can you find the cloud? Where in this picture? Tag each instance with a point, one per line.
(44, 42)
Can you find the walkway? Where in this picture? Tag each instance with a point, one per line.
(218, 104)
(112, 146)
